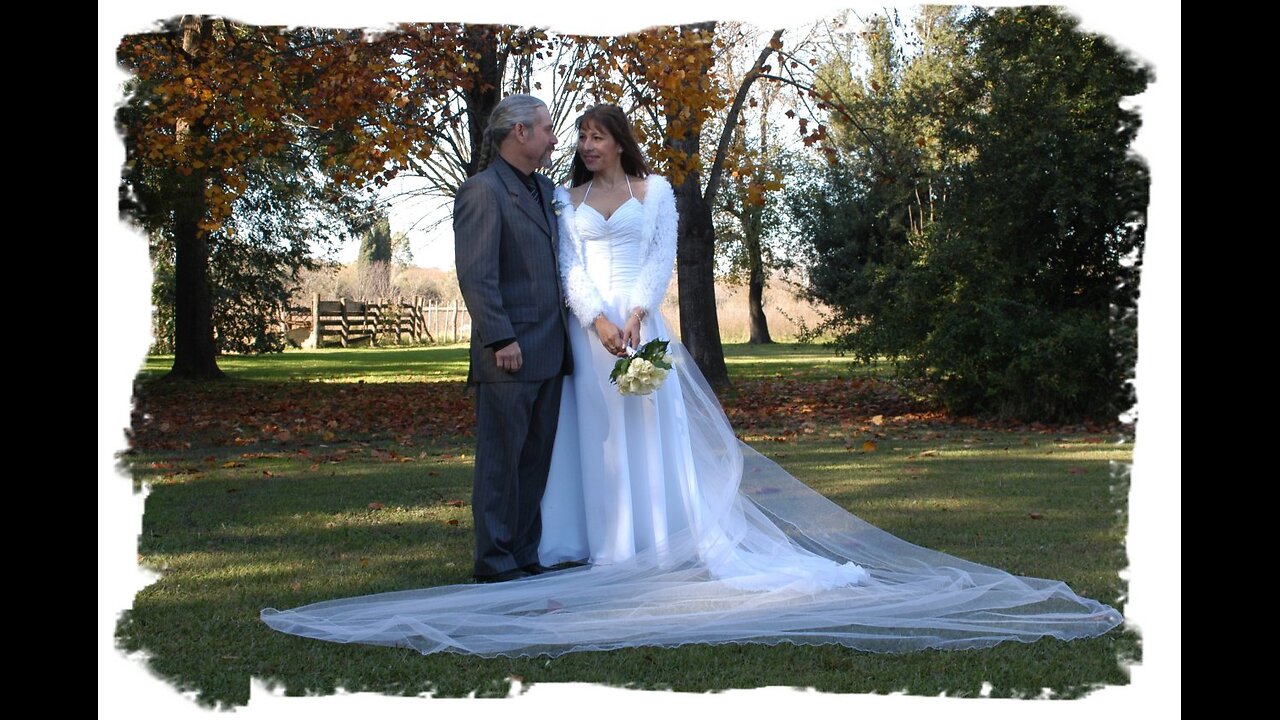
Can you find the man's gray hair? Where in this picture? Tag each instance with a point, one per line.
(511, 111)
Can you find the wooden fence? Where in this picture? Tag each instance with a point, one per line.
(346, 322)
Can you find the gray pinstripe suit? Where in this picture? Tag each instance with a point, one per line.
(505, 249)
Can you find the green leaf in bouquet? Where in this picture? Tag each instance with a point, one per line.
(654, 348)
(619, 369)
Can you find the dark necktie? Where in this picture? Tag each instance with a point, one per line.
(534, 191)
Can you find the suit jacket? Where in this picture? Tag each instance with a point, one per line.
(505, 250)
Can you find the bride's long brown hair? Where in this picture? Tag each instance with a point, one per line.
(612, 120)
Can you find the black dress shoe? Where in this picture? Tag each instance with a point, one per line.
(505, 575)
(537, 569)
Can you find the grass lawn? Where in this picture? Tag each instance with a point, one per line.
(319, 474)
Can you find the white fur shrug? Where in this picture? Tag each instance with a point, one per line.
(581, 292)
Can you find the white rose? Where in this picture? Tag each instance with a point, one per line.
(642, 369)
(627, 385)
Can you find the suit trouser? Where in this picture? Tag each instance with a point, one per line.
(515, 431)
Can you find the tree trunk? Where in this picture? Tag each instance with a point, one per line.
(482, 97)
(755, 292)
(695, 257)
(194, 352)
(695, 275)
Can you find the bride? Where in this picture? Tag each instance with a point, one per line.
(686, 534)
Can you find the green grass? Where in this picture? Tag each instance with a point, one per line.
(449, 362)
(794, 360)
(380, 364)
(236, 528)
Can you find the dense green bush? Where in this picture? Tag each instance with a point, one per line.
(986, 228)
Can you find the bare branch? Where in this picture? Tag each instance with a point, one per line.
(731, 120)
(840, 107)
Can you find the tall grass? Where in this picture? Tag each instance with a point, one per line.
(787, 314)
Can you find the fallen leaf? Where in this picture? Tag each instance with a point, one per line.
(1035, 515)
(375, 506)
(268, 473)
(1075, 471)
(454, 503)
(869, 446)
(877, 420)
(451, 522)
(929, 453)
(364, 562)
(232, 464)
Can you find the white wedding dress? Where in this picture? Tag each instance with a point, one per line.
(691, 536)
(631, 474)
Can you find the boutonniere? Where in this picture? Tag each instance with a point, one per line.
(556, 207)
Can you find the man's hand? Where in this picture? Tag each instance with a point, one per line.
(509, 358)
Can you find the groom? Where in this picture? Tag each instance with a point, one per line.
(505, 247)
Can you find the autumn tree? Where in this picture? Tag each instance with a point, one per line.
(491, 61)
(221, 117)
(223, 245)
(496, 60)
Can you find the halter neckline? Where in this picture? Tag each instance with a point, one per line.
(615, 210)
(592, 180)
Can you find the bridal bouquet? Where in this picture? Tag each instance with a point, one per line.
(643, 370)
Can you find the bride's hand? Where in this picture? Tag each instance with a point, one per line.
(610, 336)
(631, 333)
